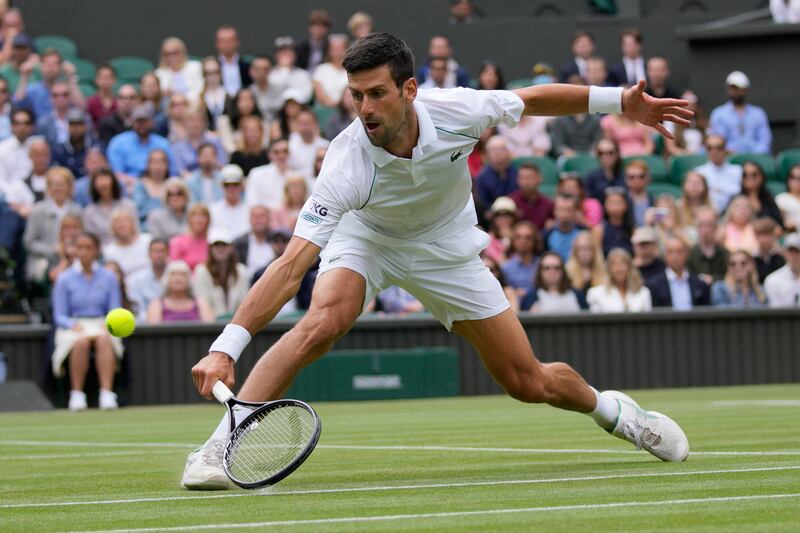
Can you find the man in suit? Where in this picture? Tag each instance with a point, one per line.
(311, 51)
(676, 287)
(582, 49)
(632, 68)
(235, 70)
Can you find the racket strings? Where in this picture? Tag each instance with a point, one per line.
(269, 443)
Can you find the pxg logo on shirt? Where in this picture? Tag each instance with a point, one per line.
(317, 208)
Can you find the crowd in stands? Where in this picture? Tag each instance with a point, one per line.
(186, 182)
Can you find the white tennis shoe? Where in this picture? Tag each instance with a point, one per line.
(204, 468)
(77, 401)
(107, 400)
(648, 430)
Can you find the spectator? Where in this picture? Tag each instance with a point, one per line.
(66, 251)
(250, 152)
(577, 134)
(128, 246)
(582, 49)
(528, 138)
(214, 98)
(632, 137)
(229, 125)
(789, 201)
(490, 77)
(463, 12)
(596, 72)
(708, 259)
(622, 290)
(94, 161)
(177, 74)
(41, 230)
(591, 211)
(440, 47)
(313, 49)
(437, 74)
(268, 98)
(17, 197)
(585, 266)
(102, 103)
(38, 94)
(254, 249)
(330, 78)
(177, 304)
(520, 267)
(14, 161)
(618, 225)
(148, 191)
(695, 195)
(551, 291)
(497, 272)
(116, 269)
(724, 179)
(609, 174)
(72, 152)
(177, 109)
(688, 139)
(82, 296)
(531, 203)
(36, 181)
(646, 254)
(145, 285)
(740, 288)
(221, 281)
(295, 193)
(477, 159)
(53, 125)
(502, 216)
(360, 25)
(397, 301)
(235, 70)
(744, 126)
(783, 286)
(769, 258)
(230, 214)
(318, 160)
(171, 218)
(106, 195)
(197, 134)
(120, 119)
(665, 217)
(204, 183)
(499, 176)
(343, 116)
(286, 76)
(265, 183)
(285, 122)
(150, 89)
(658, 74)
(737, 232)
(637, 178)
(12, 27)
(632, 68)
(754, 186)
(304, 143)
(22, 58)
(192, 246)
(560, 236)
(5, 110)
(677, 287)
(129, 153)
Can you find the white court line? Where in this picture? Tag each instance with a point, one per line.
(756, 403)
(467, 484)
(396, 517)
(78, 455)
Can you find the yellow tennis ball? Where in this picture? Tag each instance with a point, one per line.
(120, 322)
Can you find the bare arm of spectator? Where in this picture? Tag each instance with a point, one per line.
(25, 71)
(8, 45)
(155, 313)
(75, 93)
(206, 314)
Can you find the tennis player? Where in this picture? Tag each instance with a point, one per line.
(393, 205)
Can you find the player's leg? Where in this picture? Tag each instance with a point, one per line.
(78, 368)
(106, 364)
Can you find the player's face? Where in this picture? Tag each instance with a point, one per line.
(382, 106)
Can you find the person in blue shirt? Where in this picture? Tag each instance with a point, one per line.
(82, 296)
(520, 268)
(744, 126)
(559, 237)
(499, 176)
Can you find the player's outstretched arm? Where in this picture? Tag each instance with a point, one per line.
(278, 285)
(556, 99)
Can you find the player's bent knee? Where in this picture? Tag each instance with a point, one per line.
(322, 327)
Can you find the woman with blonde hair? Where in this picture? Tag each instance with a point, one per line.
(178, 109)
(665, 217)
(295, 192)
(68, 231)
(623, 289)
(221, 281)
(740, 288)
(128, 246)
(178, 303)
(585, 266)
(171, 219)
(148, 191)
(250, 152)
(192, 246)
(737, 231)
(176, 72)
(695, 195)
(359, 25)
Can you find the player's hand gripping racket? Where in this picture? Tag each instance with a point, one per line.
(271, 442)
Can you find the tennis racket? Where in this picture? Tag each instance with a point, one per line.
(270, 443)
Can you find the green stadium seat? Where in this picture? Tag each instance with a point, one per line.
(323, 114)
(548, 189)
(679, 165)
(547, 167)
(658, 170)
(659, 187)
(85, 69)
(518, 83)
(581, 163)
(776, 187)
(130, 69)
(786, 160)
(63, 45)
(87, 88)
(763, 160)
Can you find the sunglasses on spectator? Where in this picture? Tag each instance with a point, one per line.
(551, 267)
(174, 193)
(606, 152)
(60, 95)
(715, 147)
(527, 237)
(21, 123)
(737, 263)
(635, 176)
(751, 175)
(280, 150)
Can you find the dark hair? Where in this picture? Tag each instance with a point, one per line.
(92, 237)
(378, 49)
(163, 152)
(501, 82)
(628, 221)
(234, 114)
(535, 246)
(165, 242)
(25, 110)
(264, 56)
(52, 52)
(204, 145)
(106, 66)
(116, 192)
(529, 165)
(581, 33)
(574, 199)
(789, 174)
(564, 285)
(764, 195)
(632, 32)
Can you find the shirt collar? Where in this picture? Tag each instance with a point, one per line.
(427, 136)
(673, 277)
(76, 266)
(234, 61)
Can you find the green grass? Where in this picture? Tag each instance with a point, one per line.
(541, 460)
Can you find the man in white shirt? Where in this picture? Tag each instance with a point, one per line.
(724, 179)
(231, 213)
(265, 183)
(783, 285)
(305, 142)
(144, 285)
(285, 75)
(14, 161)
(393, 206)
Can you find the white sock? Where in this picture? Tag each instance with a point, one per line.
(224, 425)
(606, 412)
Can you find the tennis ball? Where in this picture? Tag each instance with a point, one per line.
(120, 322)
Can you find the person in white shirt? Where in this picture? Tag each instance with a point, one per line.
(783, 285)
(231, 213)
(14, 161)
(129, 249)
(623, 289)
(285, 75)
(330, 78)
(265, 183)
(393, 206)
(724, 179)
(305, 142)
(789, 201)
(177, 73)
(268, 97)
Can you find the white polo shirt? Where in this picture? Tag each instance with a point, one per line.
(367, 192)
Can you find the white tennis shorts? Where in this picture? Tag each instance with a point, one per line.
(447, 277)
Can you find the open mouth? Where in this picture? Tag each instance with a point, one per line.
(372, 126)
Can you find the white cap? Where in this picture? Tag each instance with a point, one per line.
(232, 174)
(738, 79)
(504, 204)
(219, 234)
(792, 241)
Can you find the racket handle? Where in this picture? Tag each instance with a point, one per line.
(221, 392)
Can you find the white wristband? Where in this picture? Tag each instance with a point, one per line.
(605, 99)
(232, 341)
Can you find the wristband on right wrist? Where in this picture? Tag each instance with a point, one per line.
(605, 99)
(232, 341)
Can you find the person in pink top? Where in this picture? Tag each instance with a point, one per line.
(192, 247)
(737, 233)
(295, 192)
(633, 138)
(591, 213)
(178, 304)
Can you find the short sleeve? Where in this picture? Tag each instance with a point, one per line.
(470, 111)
